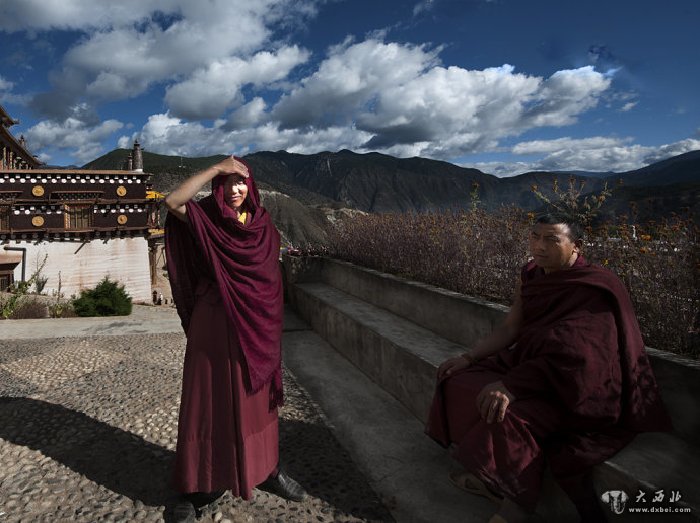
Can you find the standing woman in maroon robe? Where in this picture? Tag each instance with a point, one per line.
(222, 254)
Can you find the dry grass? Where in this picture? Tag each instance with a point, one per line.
(480, 253)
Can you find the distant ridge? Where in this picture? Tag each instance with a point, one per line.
(116, 158)
(684, 168)
(375, 182)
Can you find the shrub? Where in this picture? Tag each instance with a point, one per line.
(479, 253)
(473, 252)
(9, 305)
(30, 308)
(108, 298)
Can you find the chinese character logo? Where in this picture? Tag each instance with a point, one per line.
(616, 500)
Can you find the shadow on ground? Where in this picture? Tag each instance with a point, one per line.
(126, 464)
(118, 460)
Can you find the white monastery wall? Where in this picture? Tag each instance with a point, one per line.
(83, 264)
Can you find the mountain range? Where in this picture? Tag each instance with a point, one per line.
(376, 182)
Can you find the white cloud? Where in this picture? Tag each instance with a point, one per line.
(248, 115)
(87, 15)
(423, 6)
(666, 151)
(19, 15)
(84, 141)
(565, 95)
(568, 144)
(223, 63)
(209, 92)
(501, 169)
(365, 96)
(349, 79)
(7, 96)
(410, 104)
(595, 154)
(130, 46)
(166, 134)
(5, 85)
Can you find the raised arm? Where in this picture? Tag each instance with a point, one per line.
(503, 336)
(176, 200)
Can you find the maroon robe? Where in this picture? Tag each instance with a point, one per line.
(582, 383)
(228, 291)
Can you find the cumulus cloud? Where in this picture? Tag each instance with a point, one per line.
(84, 141)
(568, 144)
(565, 95)
(594, 154)
(166, 134)
(348, 80)
(210, 91)
(408, 102)
(223, 64)
(248, 115)
(423, 6)
(656, 154)
(369, 95)
(130, 46)
(6, 94)
(201, 54)
(5, 85)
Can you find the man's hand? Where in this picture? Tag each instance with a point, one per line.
(232, 166)
(492, 402)
(449, 367)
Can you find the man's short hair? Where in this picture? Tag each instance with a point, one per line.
(576, 230)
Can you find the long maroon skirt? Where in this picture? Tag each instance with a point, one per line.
(227, 439)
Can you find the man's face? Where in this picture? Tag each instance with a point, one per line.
(235, 191)
(551, 246)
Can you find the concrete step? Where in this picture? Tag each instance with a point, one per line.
(397, 354)
(656, 462)
(405, 467)
(402, 358)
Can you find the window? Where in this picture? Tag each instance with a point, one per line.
(78, 216)
(6, 280)
(4, 217)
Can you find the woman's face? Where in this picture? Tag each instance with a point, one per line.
(235, 191)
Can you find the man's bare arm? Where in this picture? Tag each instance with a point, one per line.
(503, 336)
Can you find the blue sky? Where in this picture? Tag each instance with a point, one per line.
(506, 86)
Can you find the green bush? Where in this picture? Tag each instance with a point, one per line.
(107, 299)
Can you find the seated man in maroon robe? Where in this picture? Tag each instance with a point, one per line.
(564, 380)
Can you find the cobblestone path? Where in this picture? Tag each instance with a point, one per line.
(88, 429)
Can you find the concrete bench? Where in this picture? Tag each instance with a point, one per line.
(398, 331)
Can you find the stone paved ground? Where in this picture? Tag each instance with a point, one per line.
(88, 428)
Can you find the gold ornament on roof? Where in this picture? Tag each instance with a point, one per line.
(121, 191)
(122, 219)
(38, 190)
(38, 221)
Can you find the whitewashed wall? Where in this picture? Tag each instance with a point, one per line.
(83, 265)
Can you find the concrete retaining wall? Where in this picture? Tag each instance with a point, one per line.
(463, 320)
(439, 310)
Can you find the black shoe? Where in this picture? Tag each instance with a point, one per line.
(203, 499)
(183, 511)
(284, 486)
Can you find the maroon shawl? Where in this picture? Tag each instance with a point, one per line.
(243, 260)
(581, 342)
